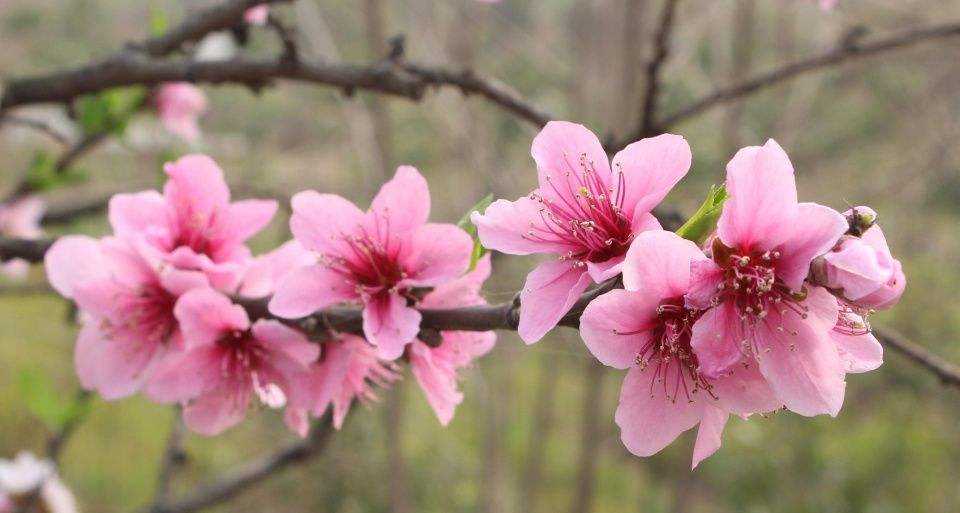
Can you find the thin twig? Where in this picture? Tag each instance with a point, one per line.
(948, 373)
(172, 459)
(38, 125)
(844, 52)
(661, 50)
(240, 480)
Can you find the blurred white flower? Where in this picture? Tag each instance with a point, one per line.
(24, 474)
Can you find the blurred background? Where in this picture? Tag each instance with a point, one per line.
(536, 431)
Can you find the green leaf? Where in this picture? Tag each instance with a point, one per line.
(466, 225)
(42, 174)
(46, 403)
(110, 111)
(704, 221)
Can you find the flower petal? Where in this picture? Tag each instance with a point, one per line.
(71, 260)
(705, 277)
(517, 228)
(650, 167)
(800, 361)
(859, 353)
(185, 375)
(321, 222)
(616, 326)
(548, 294)
(390, 324)
(309, 289)
(438, 380)
(718, 340)
(648, 418)
(282, 338)
(403, 203)
(434, 254)
(708, 434)
(820, 229)
(244, 219)
(217, 410)
(206, 315)
(143, 215)
(562, 150)
(744, 391)
(462, 291)
(196, 188)
(659, 262)
(761, 211)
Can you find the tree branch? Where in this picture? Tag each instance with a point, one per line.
(661, 45)
(846, 51)
(240, 480)
(948, 373)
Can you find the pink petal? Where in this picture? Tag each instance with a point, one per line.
(179, 282)
(116, 368)
(102, 298)
(888, 295)
(321, 221)
(206, 315)
(403, 203)
(462, 291)
(143, 215)
(71, 260)
(506, 227)
(309, 289)
(649, 420)
(744, 391)
(603, 271)
(859, 353)
(561, 150)
(217, 410)
(819, 229)
(297, 421)
(244, 219)
(257, 15)
(187, 374)
(196, 189)
(390, 324)
(282, 338)
(659, 263)
(437, 379)
(708, 434)
(705, 277)
(548, 294)
(801, 364)
(15, 269)
(650, 167)
(435, 253)
(616, 326)
(761, 212)
(718, 340)
(644, 221)
(266, 272)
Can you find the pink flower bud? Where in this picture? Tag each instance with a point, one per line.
(862, 269)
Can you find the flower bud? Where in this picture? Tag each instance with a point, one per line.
(861, 269)
(860, 219)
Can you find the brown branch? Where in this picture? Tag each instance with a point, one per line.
(31, 250)
(846, 51)
(173, 457)
(238, 481)
(661, 45)
(219, 17)
(38, 125)
(948, 373)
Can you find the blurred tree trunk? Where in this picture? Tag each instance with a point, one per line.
(631, 58)
(539, 433)
(374, 16)
(590, 435)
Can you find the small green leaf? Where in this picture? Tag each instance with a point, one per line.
(46, 403)
(42, 172)
(110, 110)
(470, 228)
(703, 222)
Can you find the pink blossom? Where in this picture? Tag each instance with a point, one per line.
(350, 370)
(760, 309)
(646, 328)
(436, 368)
(267, 271)
(375, 257)
(863, 272)
(257, 15)
(828, 5)
(193, 225)
(20, 219)
(227, 361)
(127, 304)
(859, 349)
(582, 212)
(179, 105)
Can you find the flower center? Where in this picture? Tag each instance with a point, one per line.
(242, 369)
(370, 263)
(148, 314)
(584, 213)
(669, 353)
(194, 234)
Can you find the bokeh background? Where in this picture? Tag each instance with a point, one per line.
(536, 431)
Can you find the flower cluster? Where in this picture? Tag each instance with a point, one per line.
(740, 325)
(157, 299)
